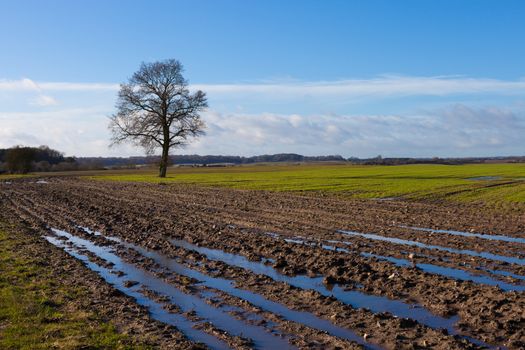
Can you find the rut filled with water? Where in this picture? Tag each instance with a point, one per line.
(155, 309)
(186, 302)
(502, 238)
(353, 298)
(457, 274)
(489, 256)
(258, 300)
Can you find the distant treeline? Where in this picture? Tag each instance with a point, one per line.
(21, 160)
(206, 160)
(210, 160)
(435, 160)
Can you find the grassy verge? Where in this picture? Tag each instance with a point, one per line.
(13, 176)
(505, 185)
(35, 307)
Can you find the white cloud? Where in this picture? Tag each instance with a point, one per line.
(389, 85)
(78, 125)
(64, 86)
(75, 131)
(30, 85)
(457, 130)
(44, 100)
(22, 84)
(381, 86)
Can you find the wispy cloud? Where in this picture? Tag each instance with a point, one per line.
(44, 100)
(72, 117)
(381, 86)
(31, 85)
(389, 85)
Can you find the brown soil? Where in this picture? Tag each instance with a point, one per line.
(237, 222)
(108, 304)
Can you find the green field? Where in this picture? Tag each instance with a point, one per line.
(451, 182)
(13, 176)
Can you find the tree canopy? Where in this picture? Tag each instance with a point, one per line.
(22, 159)
(156, 110)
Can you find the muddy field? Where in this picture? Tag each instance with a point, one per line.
(223, 268)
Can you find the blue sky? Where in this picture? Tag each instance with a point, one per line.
(356, 78)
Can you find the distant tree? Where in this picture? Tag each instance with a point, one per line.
(155, 109)
(19, 159)
(44, 153)
(22, 159)
(42, 165)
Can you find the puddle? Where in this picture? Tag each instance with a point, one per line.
(484, 178)
(299, 240)
(468, 234)
(333, 241)
(431, 257)
(272, 234)
(386, 199)
(250, 316)
(396, 261)
(155, 309)
(185, 302)
(450, 272)
(430, 268)
(490, 256)
(337, 249)
(258, 300)
(42, 182)
(303, 241)
(354, 298)
(507, 273)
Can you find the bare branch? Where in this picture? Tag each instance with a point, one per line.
(155, 109)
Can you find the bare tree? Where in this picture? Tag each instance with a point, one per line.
(155, 109)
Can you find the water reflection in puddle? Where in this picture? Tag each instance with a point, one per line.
(350, 297)
(226, 286)
(155, 309)
(430, 268)
(186, 302)
(484, 178)
(450, 272)
(502, 238)
(258, 300)
(299, 240)
(490, 256)
(507, 273)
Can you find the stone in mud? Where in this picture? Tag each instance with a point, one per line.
(129, 284)
(280, 263)
(393, 275)
(407, 323)
(338, 262)
(330, 280)
(171, 308)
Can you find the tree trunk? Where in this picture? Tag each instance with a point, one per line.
(164, 161)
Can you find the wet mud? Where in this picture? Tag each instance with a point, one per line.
(297, 271)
